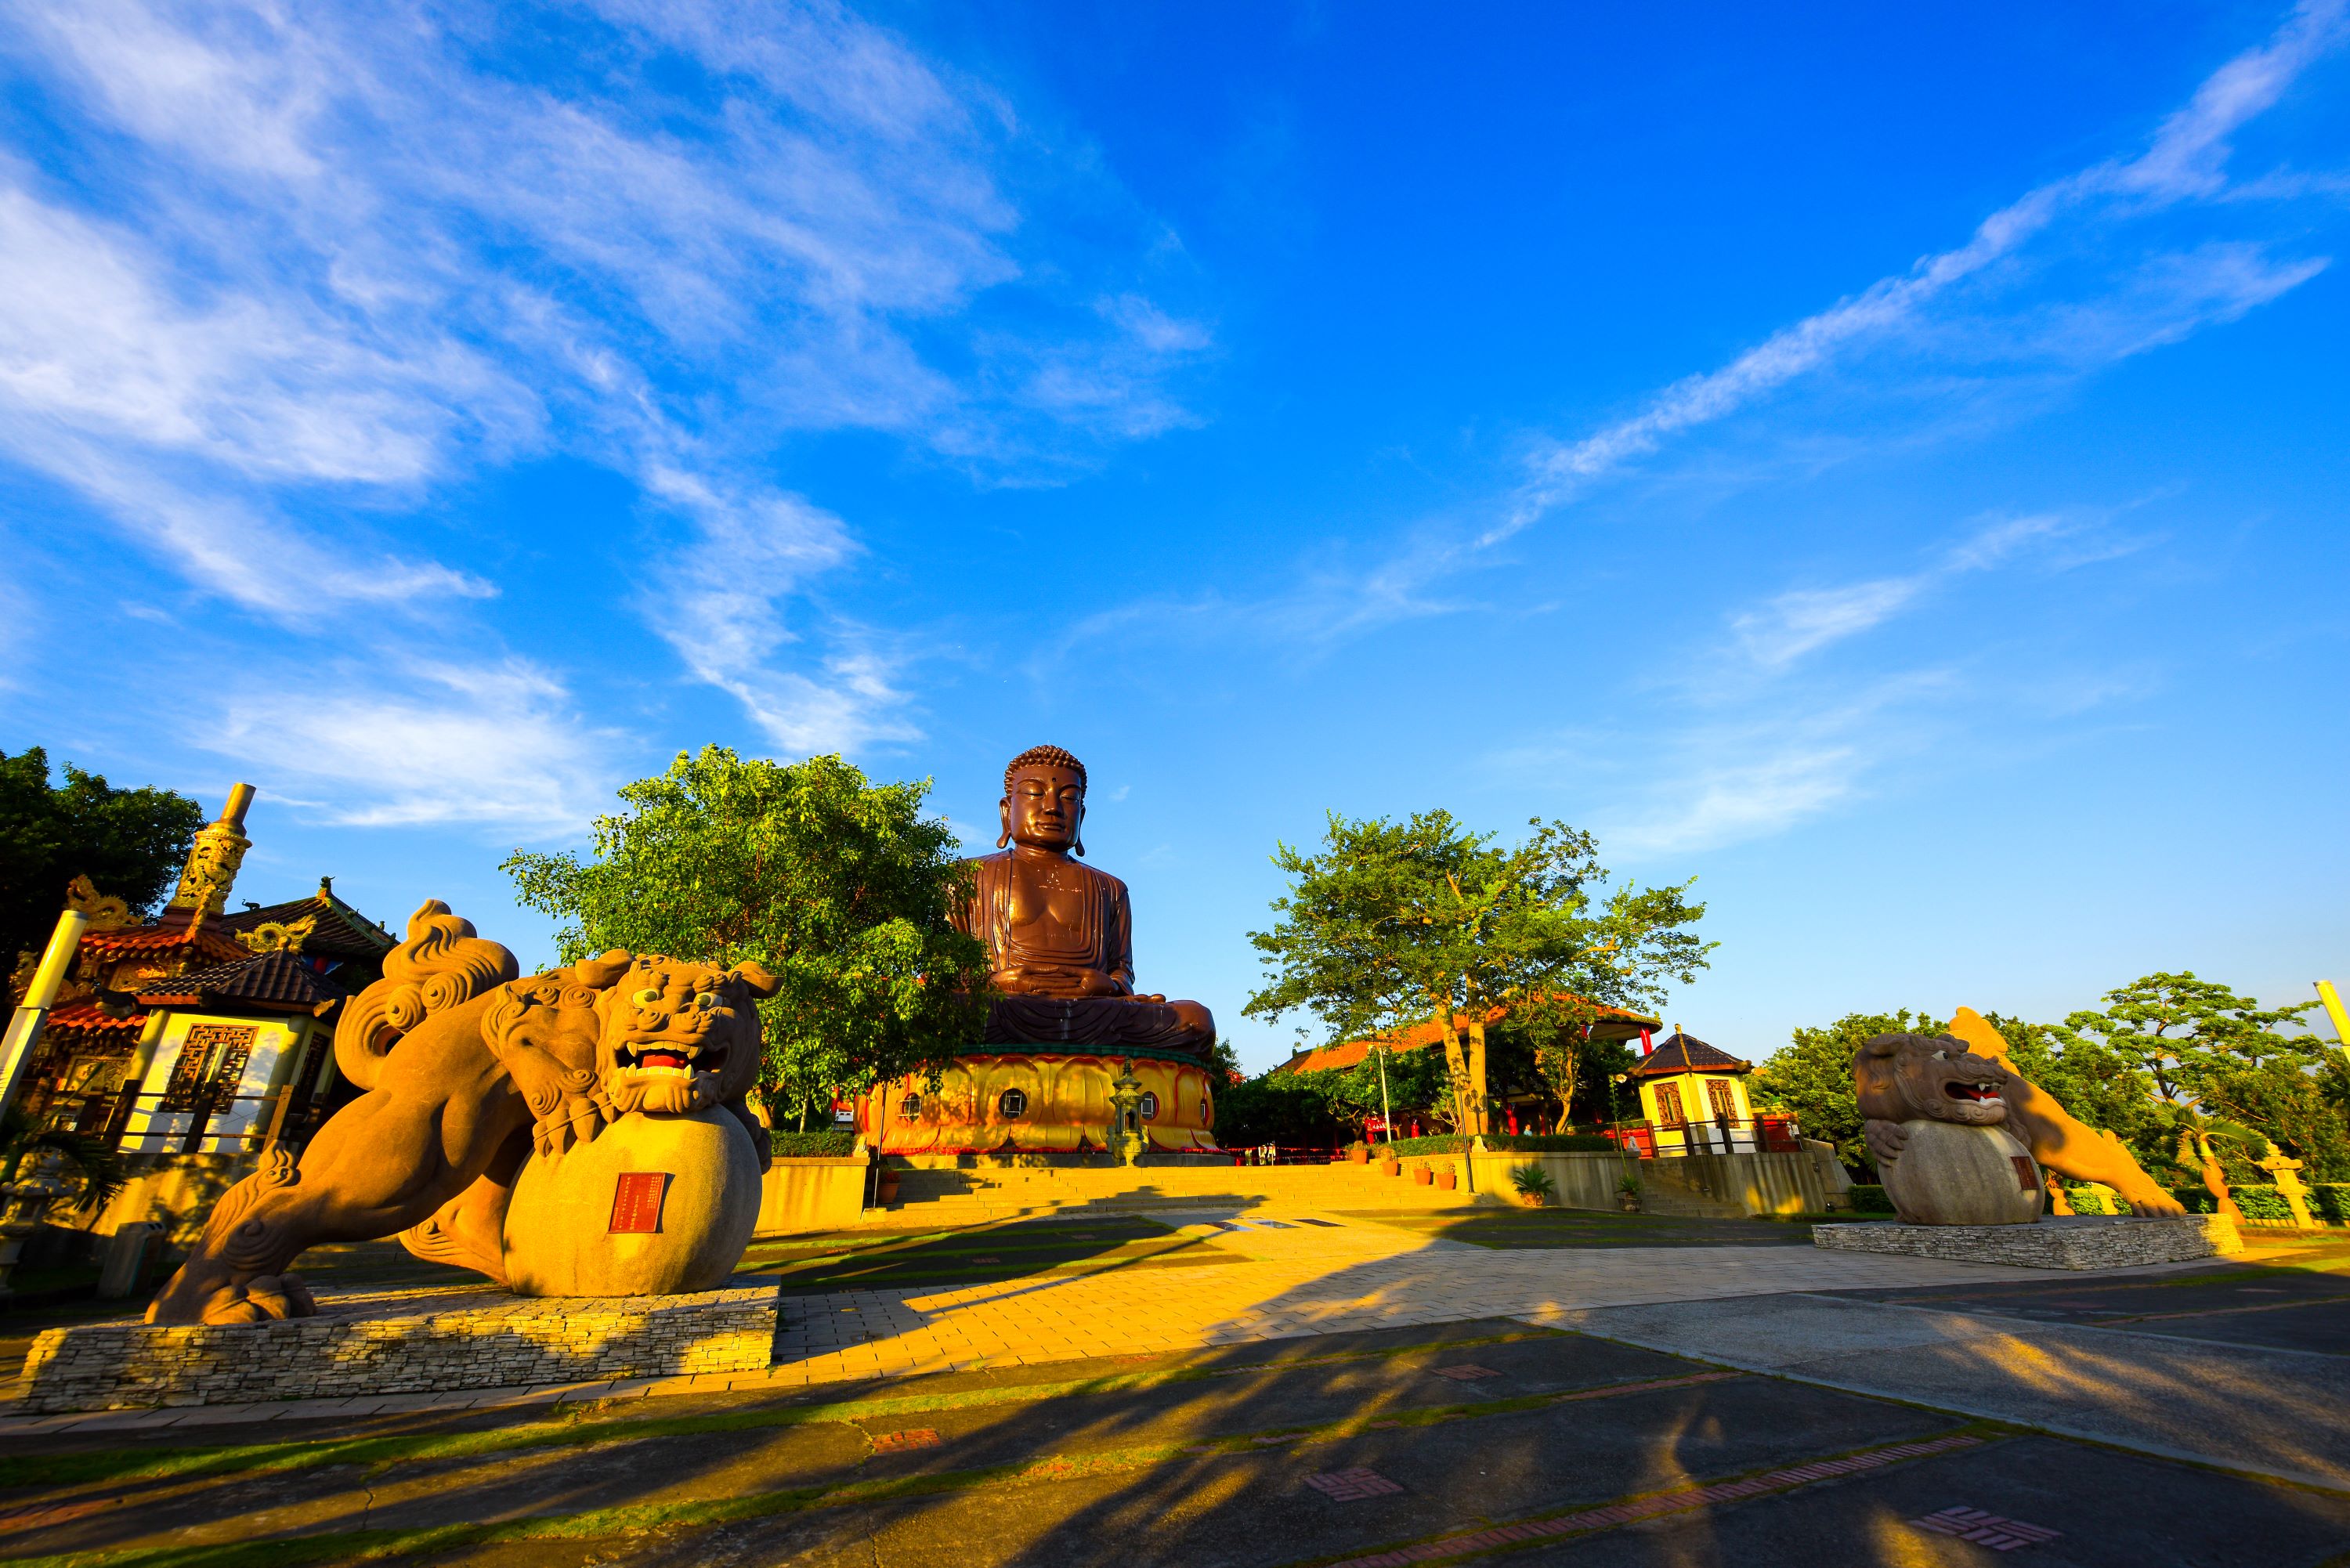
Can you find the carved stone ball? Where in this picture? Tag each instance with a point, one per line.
(654, 1206)
(1950, 1173)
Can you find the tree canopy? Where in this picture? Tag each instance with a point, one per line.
(842, 887)
(130, 844)
(1393, 924)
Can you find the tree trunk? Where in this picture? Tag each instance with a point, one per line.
(1478, 1115)
(1456, 1070)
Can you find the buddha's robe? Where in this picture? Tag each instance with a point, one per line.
(1048, 947)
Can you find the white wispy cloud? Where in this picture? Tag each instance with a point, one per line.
(301, 265)
(426, 743)
(1949, 301)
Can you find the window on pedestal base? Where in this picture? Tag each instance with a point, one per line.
(1150, 1107)
(1012, 1103)
(910, 1107)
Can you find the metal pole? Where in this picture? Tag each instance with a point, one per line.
(1387, 1111)
(25, 1028)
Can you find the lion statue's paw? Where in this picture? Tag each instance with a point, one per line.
(575, 1119)
(264, 1298)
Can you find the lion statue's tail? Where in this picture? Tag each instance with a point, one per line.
(441, 964)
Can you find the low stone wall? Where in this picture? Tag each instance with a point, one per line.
(403, 1344)
(2080, 1241)
(813, 1193)
(1798, 1183)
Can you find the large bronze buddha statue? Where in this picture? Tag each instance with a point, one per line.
(1060, 934)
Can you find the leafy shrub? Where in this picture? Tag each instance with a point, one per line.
(808, 1144)
(1869, 1199)
(2262, 1203)
(2330, 1201)
(1551, 1143)
(2195, 1200)
(1533, 1182)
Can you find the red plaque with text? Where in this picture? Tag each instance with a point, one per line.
(637, 1202)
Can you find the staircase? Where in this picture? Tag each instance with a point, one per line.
(952, 1197)
(1679, 1190)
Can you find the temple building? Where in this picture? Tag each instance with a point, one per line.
(1693, 1100)
(1065, 1022)
(202, 1031)
(1515, 1110)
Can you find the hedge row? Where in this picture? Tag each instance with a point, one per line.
(1869, 1199)
(1501, 1143)
(808, 1144)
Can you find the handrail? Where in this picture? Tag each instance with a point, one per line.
(107, 1115)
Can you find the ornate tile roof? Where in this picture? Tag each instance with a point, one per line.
(207, 940)
(272, 983)
(336, 930)
(1679, 1053)
(92, 1023)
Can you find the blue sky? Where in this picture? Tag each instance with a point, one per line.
(1885, 462)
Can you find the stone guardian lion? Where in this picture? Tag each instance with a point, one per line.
(1917, 1093)
(468, 1072)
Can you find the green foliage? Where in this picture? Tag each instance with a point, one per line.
(843, 888)
(1397, 923)
(811, 1145)
(1868, 1198)
(1811, 1078)
(2262, 1203)
(1532, 1181)
(130, 844)
(2331, 1202)
(1291, 1109)
(1550, 1143)
(2181, 1032)
(1435, 1143)
(93, 1159)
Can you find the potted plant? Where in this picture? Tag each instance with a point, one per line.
(1388, 1164)
(1445, 1178)
(1628, 1194)
(1358, 1151)
(1535, 1185)
(1422, 1174)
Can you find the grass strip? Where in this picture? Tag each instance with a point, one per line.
(1540, 1528)
(582, 1430)
(344, 1546)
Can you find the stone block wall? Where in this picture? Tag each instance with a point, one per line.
(393, 1344)
(2082, 1241)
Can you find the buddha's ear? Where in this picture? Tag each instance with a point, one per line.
(1076, 845)
(1003, 815)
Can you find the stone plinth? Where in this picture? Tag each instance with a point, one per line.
(404, 1343)
(2080, 1241)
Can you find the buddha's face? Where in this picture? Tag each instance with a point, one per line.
(1046, 807)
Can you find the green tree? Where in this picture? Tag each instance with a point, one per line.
(841, 887)
(130, 844)
(2180, 1031)
(1811, 1077)
(1394, 924)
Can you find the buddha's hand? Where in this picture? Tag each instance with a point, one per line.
(1886, 1139)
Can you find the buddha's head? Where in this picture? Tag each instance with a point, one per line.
(1044, 802)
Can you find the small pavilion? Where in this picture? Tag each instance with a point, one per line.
(1694, 1100)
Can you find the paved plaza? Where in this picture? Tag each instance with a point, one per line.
(1317, 1387)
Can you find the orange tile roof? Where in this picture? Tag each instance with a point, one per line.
(1419, 1037)
(84, 1016)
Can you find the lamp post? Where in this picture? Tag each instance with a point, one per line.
(1126, 1107)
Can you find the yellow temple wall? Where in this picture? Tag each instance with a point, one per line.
(1067, 1105)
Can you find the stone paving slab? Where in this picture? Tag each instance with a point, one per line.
(2274, 1412)
(1339, 1276)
